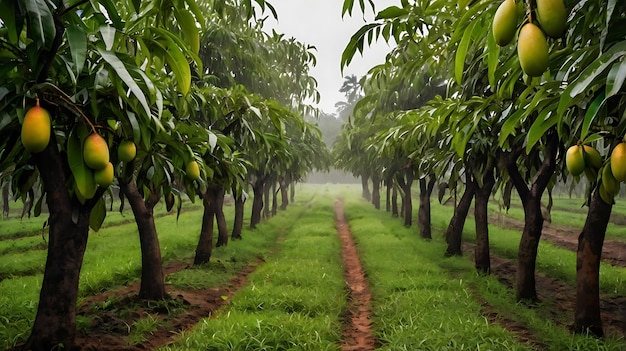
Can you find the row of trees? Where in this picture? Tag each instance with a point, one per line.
(189, 83)
(451, 109)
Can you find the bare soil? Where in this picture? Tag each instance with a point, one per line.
(357, 332)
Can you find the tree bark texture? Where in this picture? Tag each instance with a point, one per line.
(267, 200)
(376, 191)
(284, 195)
(482, 258)
(238, 220)
(388, 185)
(55, 322)
(407, 201)
(423, 214)
(257, 203)
(204, 249)
(365, 193)
(222, 226)
(152, 277)
(394, 201)
(454, 233)
(587, 310)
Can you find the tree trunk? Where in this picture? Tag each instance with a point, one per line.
(388, 196)
(482, 257)
(407, 201)
(5, 199)
(274, 199)
(533, 219)
(394, 201)
(238, 220)
(152, 277)
(587, 310)
(423, 215)
(222, 226)
(454, 234)
(292, 195)
(376, 191)
(55, 322)
(267, 200)
(257, 203)
(365, 178)
(284, 195)
(204, 249)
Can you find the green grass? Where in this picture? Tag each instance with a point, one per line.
(292, 302)
(425, 301)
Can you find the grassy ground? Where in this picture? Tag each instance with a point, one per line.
(296, 299)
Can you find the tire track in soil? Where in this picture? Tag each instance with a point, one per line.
(357, 331)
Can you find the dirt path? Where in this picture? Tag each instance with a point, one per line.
(114, 312)
(357, 333)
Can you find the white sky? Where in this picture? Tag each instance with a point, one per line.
(319, 23)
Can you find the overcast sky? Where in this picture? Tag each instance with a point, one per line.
(319, 23)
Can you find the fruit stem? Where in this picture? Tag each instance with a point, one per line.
(68, 100)
(529, 11)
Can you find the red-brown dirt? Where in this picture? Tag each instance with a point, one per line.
(357, 333)
(109, 329)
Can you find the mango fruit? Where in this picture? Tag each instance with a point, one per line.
(552, 17)
(608, 180)
(193, 170)
(104, 177)
(95, 152)
(505, 22)
(127, 151)
(532, 50)
(618, 162)
(36, 129)
(592, 157)
(575, 160)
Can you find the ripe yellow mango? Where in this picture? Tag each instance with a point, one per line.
(552, 17)
(592, 157)
(36, 129)
(618, 162)
(96, 152)
(127, 151)
(532, 50)
(505, 22)
(104, 177)
(575, 160)
(193, 170)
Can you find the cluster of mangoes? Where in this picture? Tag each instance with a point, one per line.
(532, 45)
(584, 158)
(35, 135)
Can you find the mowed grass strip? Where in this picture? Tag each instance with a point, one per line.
(424, 301)
(292, 302)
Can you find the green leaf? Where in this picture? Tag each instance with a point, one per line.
(493, 54)
(119, 67)
(392, 12)
(546, 120)
(41, 23)
(615, 78)
(111, 13)
(592, 112)
(11, 19)
(77, 40)
(461, 53)
(176, 60)
(187, 24)
(97, 215)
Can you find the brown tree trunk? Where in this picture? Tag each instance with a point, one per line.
(533, 219)
(407, 201)
(267, 200)
(454, 233)
(274, 199)
(388, 195)
(5, 199)
(292, 195)
(204, 249)
(482, 258)
(238, 220)
(365, 179)
(257, 203)
(423, 214)
(152, 277)
(394, 201)
(587, 310)
(376, 191)
(284, 194)
(222, 226)
(55, 322)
